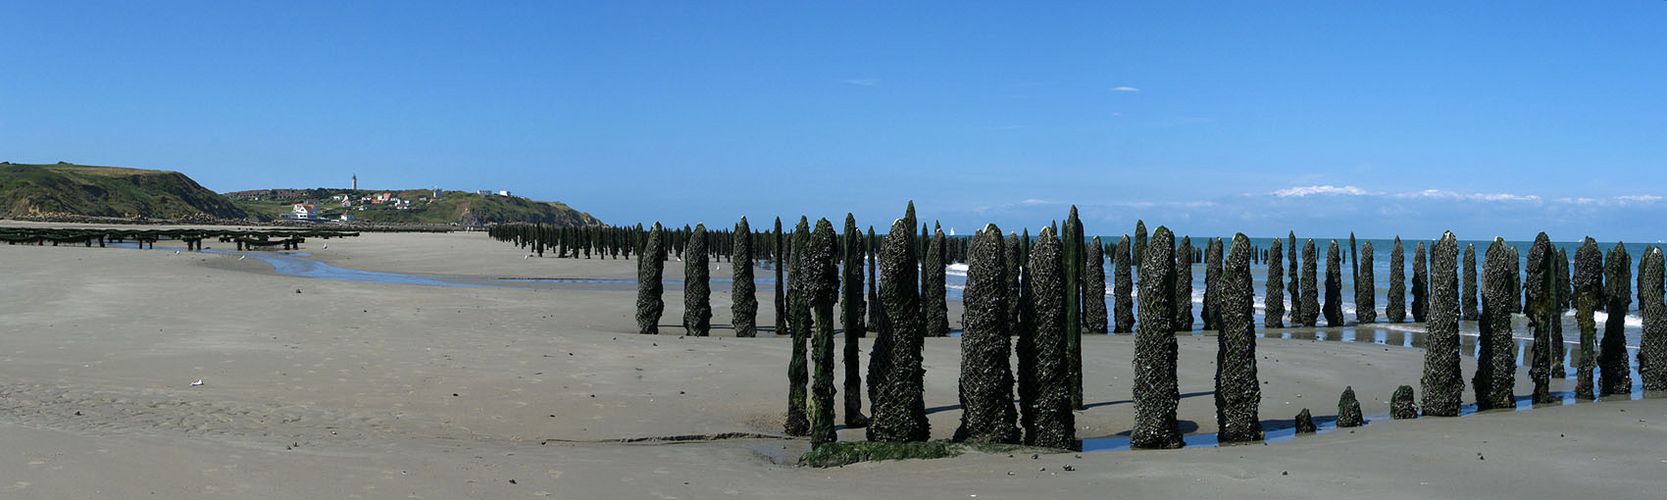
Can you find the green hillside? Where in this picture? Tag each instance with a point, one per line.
(450, 207)
(70, 190)
(65, 189)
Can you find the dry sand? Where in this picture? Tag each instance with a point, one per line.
(335, 389)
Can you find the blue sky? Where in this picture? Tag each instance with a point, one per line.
(1381, 118)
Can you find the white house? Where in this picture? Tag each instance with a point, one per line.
(302, 211)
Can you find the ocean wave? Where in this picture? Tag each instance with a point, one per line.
(1632, 320)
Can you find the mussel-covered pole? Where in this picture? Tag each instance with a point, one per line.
(1348, 409)
(1212, 283)
(987, 414)
(1365, 291)
(934, 290)
(899, 410)
(1024, 343)
(1467, 295)
(1395, 309)
(875, 316)
(1274, 316)
(1333, 286)
(1614, 376)
(1238, 390)
(1094, 288)
(1516, 283)
(1305, 422)
(1421, 285)
(1294, 286)
(697, 285)
(650, 287)
(1123, 268)
(1402, 405)
(1050, 421)
(1496, 361)
(852, 307)
(744, 306)
(1540, 293)
(1354, 260)
(1071, 260)
(822, 290)
(1156, 394)
(1310, 285)
(799, 318)
(780, 263)
(1138, 253)
(1652, 349)
(1354, 263)
(1014, 260)
(1443, 383)
(1565, 295)
(1588, 296)
(1183, 287)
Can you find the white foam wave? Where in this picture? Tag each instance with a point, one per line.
(1632, 320)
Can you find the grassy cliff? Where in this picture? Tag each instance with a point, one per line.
(65, 189)
(69, 190)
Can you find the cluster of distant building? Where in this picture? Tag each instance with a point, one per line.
(309, 212)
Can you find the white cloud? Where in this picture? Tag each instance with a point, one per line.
(1435, 194)
(1125, 88)
(1622, 201)
(1303, 191)
(1451, 195)
(862, 82)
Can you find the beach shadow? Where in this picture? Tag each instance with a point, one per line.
(1186, 427)
(1086, 406)
(1090, 406)
(1279, 424)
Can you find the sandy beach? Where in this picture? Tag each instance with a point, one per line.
(320, 388)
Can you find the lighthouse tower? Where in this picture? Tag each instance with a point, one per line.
(355, 182)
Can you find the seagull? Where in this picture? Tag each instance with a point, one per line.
(176, 252)
(326, 246)
(197, 383)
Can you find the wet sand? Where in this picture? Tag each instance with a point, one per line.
(374, 390)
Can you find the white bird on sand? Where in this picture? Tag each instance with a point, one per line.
(242, 257)
(326, 246)
(197, 383)
(176, 252)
